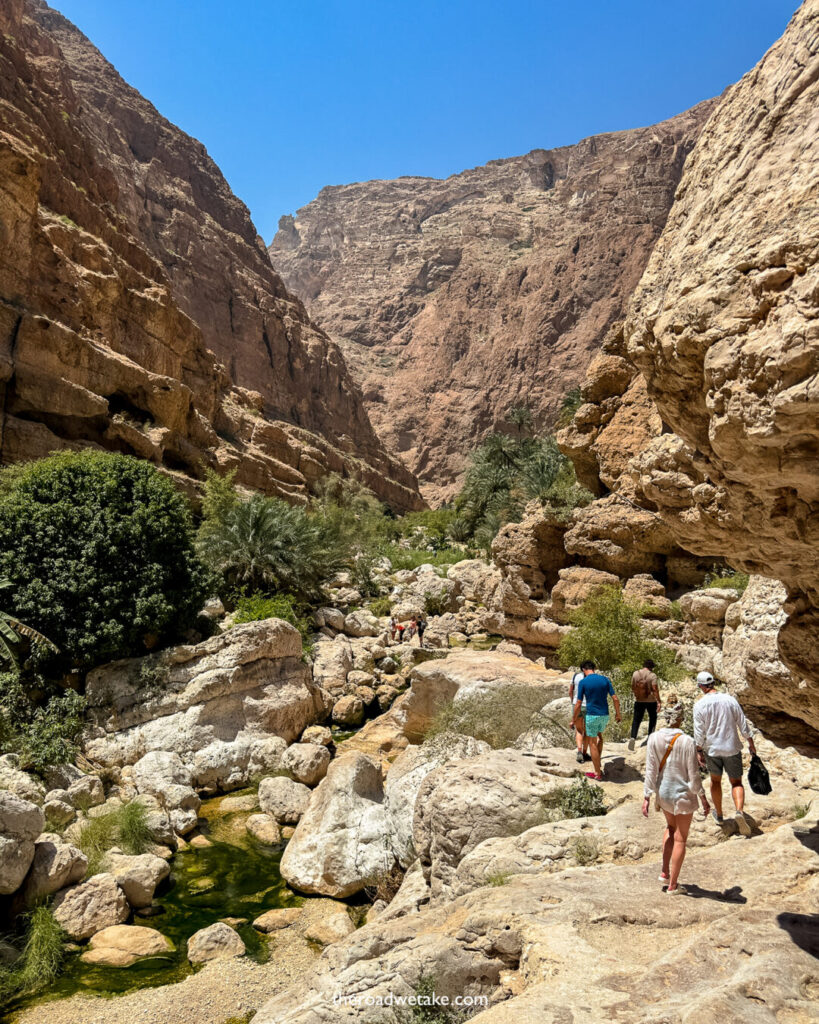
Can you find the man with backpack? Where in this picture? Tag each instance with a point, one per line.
(646, 699)
(719, 727)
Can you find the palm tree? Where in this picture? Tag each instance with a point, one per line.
(521, 417)
(541, 470)
(12, 631)
(267, 545)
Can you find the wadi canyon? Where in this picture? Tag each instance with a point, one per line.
(334, 824)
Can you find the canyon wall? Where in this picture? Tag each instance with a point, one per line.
(138, 308)
(456, 299)
(702, 407)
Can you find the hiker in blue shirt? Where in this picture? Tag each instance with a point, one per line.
(596, 690)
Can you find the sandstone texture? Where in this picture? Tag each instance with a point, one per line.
(21, 822)
(216, 942)
(85, 909)
(724, 329)
(56, 864)
(455, 299)
(341, 842)
(121, 945)
(139, 311)
(226, 708)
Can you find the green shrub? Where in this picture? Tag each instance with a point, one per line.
(40, 961)
(727, 578)
(266, 545)
(799, 809)
(572, 401)
(255, 607)
(381, 606)
(497, 716)
(125, 827)
(98, 547)
(498, 879)
(676, 611)
(580, 800)
(42, 733)
(585, 850)
(435, 604)
(426, 1011)
(411, 558)
(607, 630)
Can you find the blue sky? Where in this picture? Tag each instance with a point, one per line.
(291, 96)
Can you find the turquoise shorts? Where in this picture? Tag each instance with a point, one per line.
(596, 724)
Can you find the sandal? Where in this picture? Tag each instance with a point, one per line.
(663, 878)
(679, 890)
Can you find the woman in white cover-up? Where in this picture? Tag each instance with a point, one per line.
(673, 778)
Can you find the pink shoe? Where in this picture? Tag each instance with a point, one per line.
(591, 775)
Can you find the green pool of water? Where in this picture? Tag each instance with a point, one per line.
(235, 877)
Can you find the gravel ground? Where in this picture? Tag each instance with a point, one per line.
(221, 990)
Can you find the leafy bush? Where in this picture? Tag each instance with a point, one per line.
(585, 850)
(572, 401)
(580, 800)
(381, 606)
(498, 879)
(266, 545)
(41, 734)
(98, 547)
(607, 630)
(125, 827)
(411, 558)
(727, 578)
(435, 604)
(40, 961)
(256, 607)
(675, 611)
(498, 716)
(426, 1011)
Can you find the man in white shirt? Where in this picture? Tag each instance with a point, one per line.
(719, 725)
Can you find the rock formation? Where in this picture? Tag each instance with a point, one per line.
(725, 332)
(455, 299)
(138, 309)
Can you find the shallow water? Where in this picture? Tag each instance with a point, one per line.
(235, 877)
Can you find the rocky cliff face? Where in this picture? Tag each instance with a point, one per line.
(138, 308)
(702, 408)
(455, 299)
(725, 330)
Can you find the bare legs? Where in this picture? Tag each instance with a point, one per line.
(596, 751)
(737, 793)
(674, 840)
(580, 738)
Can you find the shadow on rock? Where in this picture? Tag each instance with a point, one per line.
(803, 929)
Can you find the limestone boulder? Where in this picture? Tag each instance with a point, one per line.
(306, 762)
(163, 775)
(226, 697)
(341, 841)
(361, 623)
(464, 802)
(616, 536)
(317, 734)
(276, 920)
(707, 606)
(348, 710)
(332, 617)
(86, 792)
(475, 579)
(56, 864)
(264, 829)
(18, 782)
(138, 876)
(649, 594)
(751, 665)
(87, 908)
(332, 660)
(216, 942)
(58, 808)
(284, 799)
(574, 586)
(404, 780)
(21, 822)
(121, 945)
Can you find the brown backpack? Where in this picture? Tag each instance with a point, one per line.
(642, 684)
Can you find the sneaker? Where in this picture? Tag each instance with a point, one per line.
(592, 775)
(663, 878)
(580, 757)
(742, 824)
(631, 743)
(717, 817)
